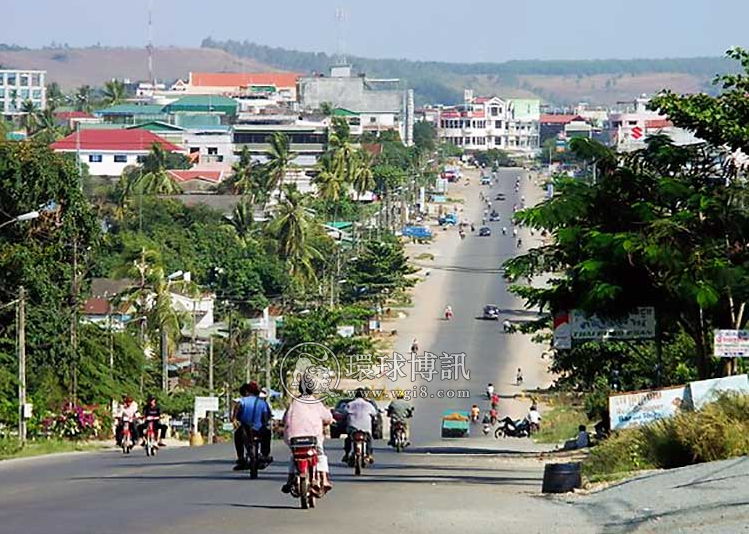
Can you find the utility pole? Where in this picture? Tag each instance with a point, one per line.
(21, 327)
(74, 323)
(267, 369)
(164, 360)
(210, 389)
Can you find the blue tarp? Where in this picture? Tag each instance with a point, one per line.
(420, 232)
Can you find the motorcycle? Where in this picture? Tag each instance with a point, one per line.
(448, 315)
(520, 243)
(359, 459)
(513, 429)
(127, 438)
(307, 480)
(151, 444)
(399, 436)
(252, 453)
(487, 429)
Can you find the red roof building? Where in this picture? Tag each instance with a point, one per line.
(238, 80)
(559, 118)
(108, 152)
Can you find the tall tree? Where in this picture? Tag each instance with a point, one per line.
(364, 178)
(280, 160)
(84, 98)
(29, 117)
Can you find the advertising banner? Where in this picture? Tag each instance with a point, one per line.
(731, 343)
(706, 391)
(639, 324)
(643, 407)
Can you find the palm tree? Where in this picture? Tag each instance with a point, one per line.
(83, 98)
(340, 149)
(29, 119)
(47, 128)
(363, 179)
(114, 92)
(157, 183)
(55, 96)
(244, 169)
(242, 222)
(327, 109)
(293, 228)
(280, 160)
(330, 184)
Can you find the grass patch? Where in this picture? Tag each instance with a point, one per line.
(425, 256)
(452, 200)
(718, 431)
(560, 423)
(9, 448)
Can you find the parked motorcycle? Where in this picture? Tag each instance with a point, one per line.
(359, 458)
(307, 480)
(509, 428)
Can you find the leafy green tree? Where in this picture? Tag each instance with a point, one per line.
(83, 99)
(29, 118)
(55, 96)
(378, 271)
(425, 136)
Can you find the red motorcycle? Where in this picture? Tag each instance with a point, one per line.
(151, 444)
(360, 457)
(308, 482)
(127, 437)
(399, 436)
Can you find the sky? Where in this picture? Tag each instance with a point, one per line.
(439, 30)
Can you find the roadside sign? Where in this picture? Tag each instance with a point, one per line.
(731, 343)
(227, 427)
(205, 404)
(639, 324)
(636, 133)
(643, 407)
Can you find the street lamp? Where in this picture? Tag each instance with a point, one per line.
(20, 218)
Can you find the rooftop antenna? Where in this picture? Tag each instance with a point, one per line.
(341, 17)
(149, 46)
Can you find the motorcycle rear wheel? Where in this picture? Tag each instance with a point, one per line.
(304, 493)
(358, 461)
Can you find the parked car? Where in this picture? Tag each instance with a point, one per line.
(448, 219)
(491, 312)
(485, 231)
(339, 420)
(485, 180)
(499, 196)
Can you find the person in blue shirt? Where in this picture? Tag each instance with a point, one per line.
(251, 413)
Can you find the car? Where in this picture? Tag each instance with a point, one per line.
(448, 219)
(339, 420)
(491, 312)
(485, 231)
(485, 180)
(494, 217)
(499, 196)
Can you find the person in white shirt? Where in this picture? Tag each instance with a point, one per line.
(127, 411)
(534, 417)
(359, 415)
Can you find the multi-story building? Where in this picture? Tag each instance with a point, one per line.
(19, 86)
(485, 123)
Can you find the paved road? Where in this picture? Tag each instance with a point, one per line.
(190, 491)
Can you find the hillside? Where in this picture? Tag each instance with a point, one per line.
(599, 82)
(73, 67)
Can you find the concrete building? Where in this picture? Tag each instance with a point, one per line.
(485, 123)
(108, 152)
(381, 104)
(280, 86)
(628, 129)
(18, 86)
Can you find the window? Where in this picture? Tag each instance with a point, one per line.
(140, 159)
(11, 79)
(36, 80)
(212, 151)
(120, 158)
(372, 120)
(23, 93)
(494, 112)
(36, 94)
(497, 124)
(94, 158)
(2, 92)
(497, 140)
(2, 80)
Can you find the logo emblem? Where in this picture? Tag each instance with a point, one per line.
(313, 366)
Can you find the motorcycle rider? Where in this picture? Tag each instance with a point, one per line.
(520, 243)
(414, 347)
(128, 410)
(504, 230)
(494, 401)
(306, 416)
(507, 326)
(152, 411)
(253, 414)
(534, 417)
(475, 413)
(359, 414)
(400, 410)
(519, 376)
(489, 390)
(448, 312)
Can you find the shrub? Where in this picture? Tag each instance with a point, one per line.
(718, 431)
(74, 422)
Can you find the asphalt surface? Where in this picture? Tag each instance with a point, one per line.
(476, 484)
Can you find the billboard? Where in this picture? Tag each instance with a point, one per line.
(706, 391)
(643, 407)
(576, 326)
(731, 343)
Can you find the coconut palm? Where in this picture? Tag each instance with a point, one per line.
(114, 92)
(330, 184)
(83, 98)
(363, 179)
(156, 183)
(29, 118)
(293, 228)
(341, 150)
(242, 221)
(280, 160)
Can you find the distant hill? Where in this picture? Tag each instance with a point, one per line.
(73, 67)
(560, 82)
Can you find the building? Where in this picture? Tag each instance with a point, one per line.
(281, 86)
(19, 86)
(628, 129)
(191, 181)
(133, 113)
(551, 126)
(108, 152)
(215, 104)
(485, 123)
(381, 104)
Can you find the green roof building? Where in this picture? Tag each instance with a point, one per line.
(132, 113)
(203, 104)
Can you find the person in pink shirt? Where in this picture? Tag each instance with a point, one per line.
(307, 416)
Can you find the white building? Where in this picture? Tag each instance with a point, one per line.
(628, 129)
(107, 152)
(18, 86)
(485, 123)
